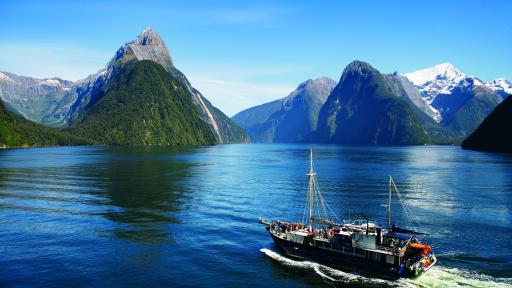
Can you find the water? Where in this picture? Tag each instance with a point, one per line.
(171, 217)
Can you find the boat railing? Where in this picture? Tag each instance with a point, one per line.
(393, 250)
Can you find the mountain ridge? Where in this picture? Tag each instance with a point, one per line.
(144, 105)
(364, 109)
(289, 119)
(445, 80)
(70, 107)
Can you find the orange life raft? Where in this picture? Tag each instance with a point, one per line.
(422, 249)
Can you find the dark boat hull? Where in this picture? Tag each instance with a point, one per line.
(336, 259)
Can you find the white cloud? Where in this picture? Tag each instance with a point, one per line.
(44, 60)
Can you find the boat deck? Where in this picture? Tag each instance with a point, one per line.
(326, 237)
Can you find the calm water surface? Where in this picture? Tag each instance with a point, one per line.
(170, 217)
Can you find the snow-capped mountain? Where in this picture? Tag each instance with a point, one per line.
(439, 79)
(502, 86)
(442, 81)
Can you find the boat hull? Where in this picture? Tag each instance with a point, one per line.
(339, 260)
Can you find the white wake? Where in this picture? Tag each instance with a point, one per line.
(327, 272)
(439, 276)
(435, 277)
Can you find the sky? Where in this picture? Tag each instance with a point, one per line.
(244, 53)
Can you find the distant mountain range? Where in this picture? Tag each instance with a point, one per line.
(60, 103)
(433, 105)
(459, 101)
(290, 119)
(39, 100)
(141, 98)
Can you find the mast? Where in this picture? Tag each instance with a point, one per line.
(389, 203)
(311, 186)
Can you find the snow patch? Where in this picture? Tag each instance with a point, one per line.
(52, 82)
(5, 77)
(440, 71)
(441, 79)
(500, 84)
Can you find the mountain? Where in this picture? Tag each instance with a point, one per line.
(16, 131)
(501, 86)
(290, 119)
(439, 79)
(149, 46)
(367, 108)
(142, 104)
(72, 102)
(401, 84)
(33, 98)
(458, 101)
(493, 134)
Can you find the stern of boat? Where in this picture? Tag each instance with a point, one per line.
(422, 265)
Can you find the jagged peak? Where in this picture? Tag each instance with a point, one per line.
(5, 77)
(448, 70)
(148, 45)
(147, 36)
(444, 70)
(318, 88)
(357, 67)
(500, 84)
(321, 81)
(304, 84)
(146, 30)
(446, 67)
(500, 80)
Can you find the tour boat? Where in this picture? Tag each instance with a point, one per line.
(357, 246)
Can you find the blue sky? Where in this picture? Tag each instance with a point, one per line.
(243, 53)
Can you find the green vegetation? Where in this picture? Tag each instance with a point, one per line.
(364, 110)
(143, 105)
(16, 131)
(228, 129)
